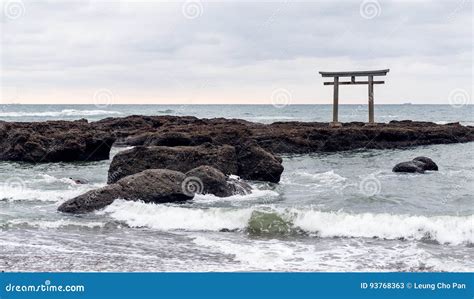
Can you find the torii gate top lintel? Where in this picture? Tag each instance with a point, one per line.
(356, 73)
(370, 82)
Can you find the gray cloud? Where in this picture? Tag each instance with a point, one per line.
(238, 51)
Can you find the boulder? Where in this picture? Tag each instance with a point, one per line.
(418, 165)
(92, 200)
(178, 158)
(153, 185)
(410, 166)
(208, 180)
(255, 163)
(429, 164)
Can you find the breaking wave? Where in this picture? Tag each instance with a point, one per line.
(64, 112)
(453, 230)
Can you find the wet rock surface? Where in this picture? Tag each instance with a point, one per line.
(417, 165)
(158, 186)
(55, 141)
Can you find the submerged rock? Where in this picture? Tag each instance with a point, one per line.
(418, 165)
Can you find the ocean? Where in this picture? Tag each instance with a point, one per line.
(342, 211)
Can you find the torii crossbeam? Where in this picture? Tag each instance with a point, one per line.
(370, 81)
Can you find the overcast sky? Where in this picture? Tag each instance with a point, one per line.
(232, 52)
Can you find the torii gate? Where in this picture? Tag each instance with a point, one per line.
(353, 75)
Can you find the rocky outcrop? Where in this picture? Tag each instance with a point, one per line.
(153, 185)
(158, 186)
(249, 161)
(53, 141)
(418, 165)
(82, 141)
(208, 180)
(285, 137)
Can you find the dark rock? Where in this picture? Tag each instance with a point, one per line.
(153, 185)
(419, 164)
(429, 164)
(179, 158)
(82, 141)
(257, 164)
(53, 141)
(410, 166)
(208, 180)
(92, 200)
(79, 181)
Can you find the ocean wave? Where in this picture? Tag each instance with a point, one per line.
(64, 112)
(261, 221)
(255, 195)
(162, 217)
(328, 177)
(45, 188)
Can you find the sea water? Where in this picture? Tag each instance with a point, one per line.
(342, 211)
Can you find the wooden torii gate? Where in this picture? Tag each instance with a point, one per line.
(369, 74)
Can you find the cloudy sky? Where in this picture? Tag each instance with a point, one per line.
(232, 52)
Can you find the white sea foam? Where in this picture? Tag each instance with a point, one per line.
(51, 179)
(444, 229)
(162, 217)
(53, 223)
(344, 255)
(64, 112)
(328, 177)
(256, 194)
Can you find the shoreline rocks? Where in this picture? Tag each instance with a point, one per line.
(158, 186)
(53, 141)
(56, 141)
(417, 165)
